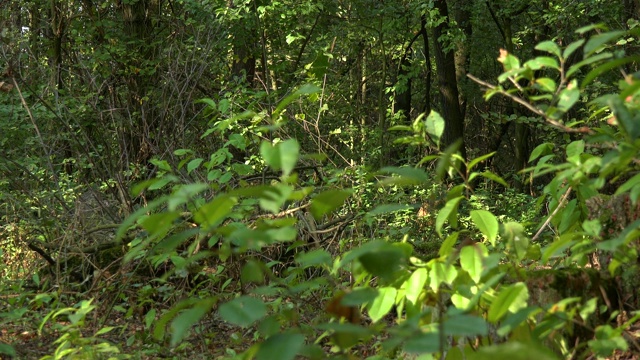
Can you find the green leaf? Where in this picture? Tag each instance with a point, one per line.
(318, 68)
(596, 42)
(448, 245)
(448, 159)
(328, 201)
(159, 329)
(345, 335)
(542, 62)
(570, 216)
(161, 164)
(359, 296)
(465, 325)
(214, 212)
(628, 120)
(150, 318)
(384, 262)
(170, 243)
(406, 176)
(471, 262)
(568, 97)
(588, 61)
(513, 350)
(478, 160)
(449, 211)
(184, 194)
(282, 156)
(547, 84)
(243, 311)
(608, 66)
(516, 239)
(193, 164)
(509, 61)
(159, 224)
(161, 182)
(400, 128)
(487, 223)
(272, 198)
(186, 319)
(575, 148)
(209, 102)
(388, 209)
(318, 257)
(628, 185)
(280, 346)
(541, 150)
(493, 177)
(442, 273)
(423, 342)
(558, 246)
(550, 47)
(607, 340)
(435, 126)
(510, 299)
(306, 89)
(252, 272)
(181, 152)
(592, 227)
(383, 303)
(571, 48)
(415, 284)
(7, 349)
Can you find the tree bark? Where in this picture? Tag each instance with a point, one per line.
(446, 70)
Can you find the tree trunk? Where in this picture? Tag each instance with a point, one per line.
(139, 131)
(463, 19)
(427, 55)
(446, 69)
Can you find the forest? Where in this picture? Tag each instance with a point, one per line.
(328, 179)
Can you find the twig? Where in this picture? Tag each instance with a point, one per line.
(535, 110)
(560, 205)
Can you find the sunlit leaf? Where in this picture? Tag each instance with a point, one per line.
(550, 47)
(449, 210)
(487, 223)
(435, 126)
(568, 97)
(382, 303)
(471, 262)
(415, 285)
(511, 298)
(281, 156)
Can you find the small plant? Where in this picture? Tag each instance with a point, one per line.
(72, 344)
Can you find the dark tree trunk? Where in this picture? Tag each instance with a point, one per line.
(403, 97)
(427, 55)
(446, 69)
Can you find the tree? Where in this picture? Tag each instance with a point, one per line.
(447, 80)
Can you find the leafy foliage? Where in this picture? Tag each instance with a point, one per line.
(276, 180)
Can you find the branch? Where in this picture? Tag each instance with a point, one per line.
(560, 205)
(532, 108)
